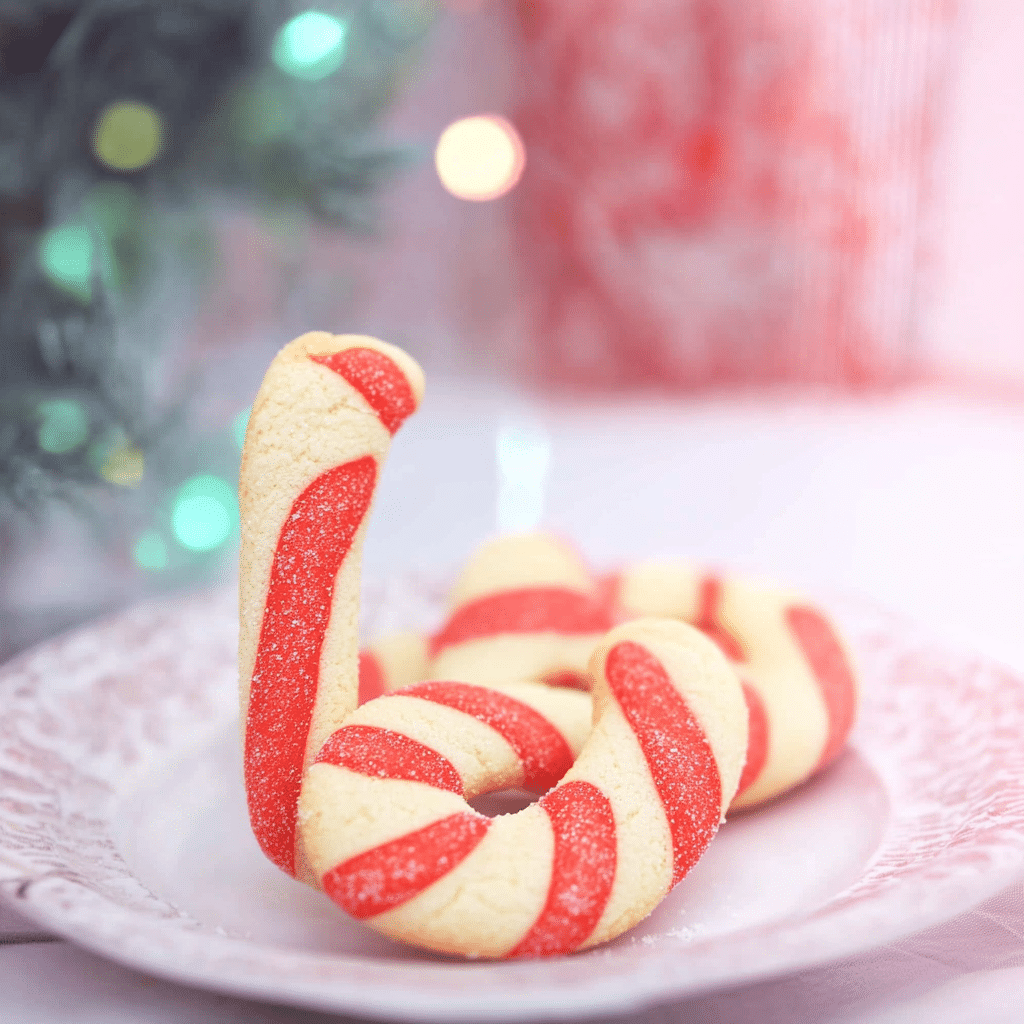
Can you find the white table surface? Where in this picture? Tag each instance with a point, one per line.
(916, 500)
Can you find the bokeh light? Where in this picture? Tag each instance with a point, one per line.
(64, 426)
(310, 46)
(128, 135)
(479, 158)
(204, 512)
(123, 466)
(523, 452)
(238, 425)
(65, 255)
(150, 551)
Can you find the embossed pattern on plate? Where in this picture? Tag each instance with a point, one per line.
(122, 828)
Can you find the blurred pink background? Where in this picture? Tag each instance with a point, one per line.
(975, 328)
(445, 277)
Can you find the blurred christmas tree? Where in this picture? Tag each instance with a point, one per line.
(122, 122)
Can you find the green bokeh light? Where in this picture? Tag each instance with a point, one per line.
(151, 551)
(204, 513)
(65, 425)
(128, 135)
(238, 425)
(65, 254)
(310, 46)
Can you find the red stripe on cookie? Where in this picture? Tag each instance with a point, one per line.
(757, 742)
(371, 677)
(378, 379)
(582, 871)
(523, 610)
(709, 599)
(314, 541)
(385, 754)
(545, 754)
(569, 679)
(392, 873)
(825, 655)
(680, 759)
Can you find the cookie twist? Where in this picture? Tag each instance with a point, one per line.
(388, 830)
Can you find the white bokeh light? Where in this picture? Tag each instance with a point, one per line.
(523, 452)
(479, 158)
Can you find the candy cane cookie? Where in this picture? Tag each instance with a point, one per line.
(388, 830)
(797, 672)
(320, 429)
(524, 607)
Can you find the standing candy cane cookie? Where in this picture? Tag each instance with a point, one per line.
(319, 432)
(388, 831)
(797, 672)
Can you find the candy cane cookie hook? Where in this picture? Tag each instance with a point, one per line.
(389, 833)
(320, 429)
(797, 671)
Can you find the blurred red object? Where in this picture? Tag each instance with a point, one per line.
(722, 192)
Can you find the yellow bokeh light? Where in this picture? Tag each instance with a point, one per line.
(479, 158)
(128, 135)
(124, 467)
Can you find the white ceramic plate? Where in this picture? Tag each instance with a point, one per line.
(122, 827)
